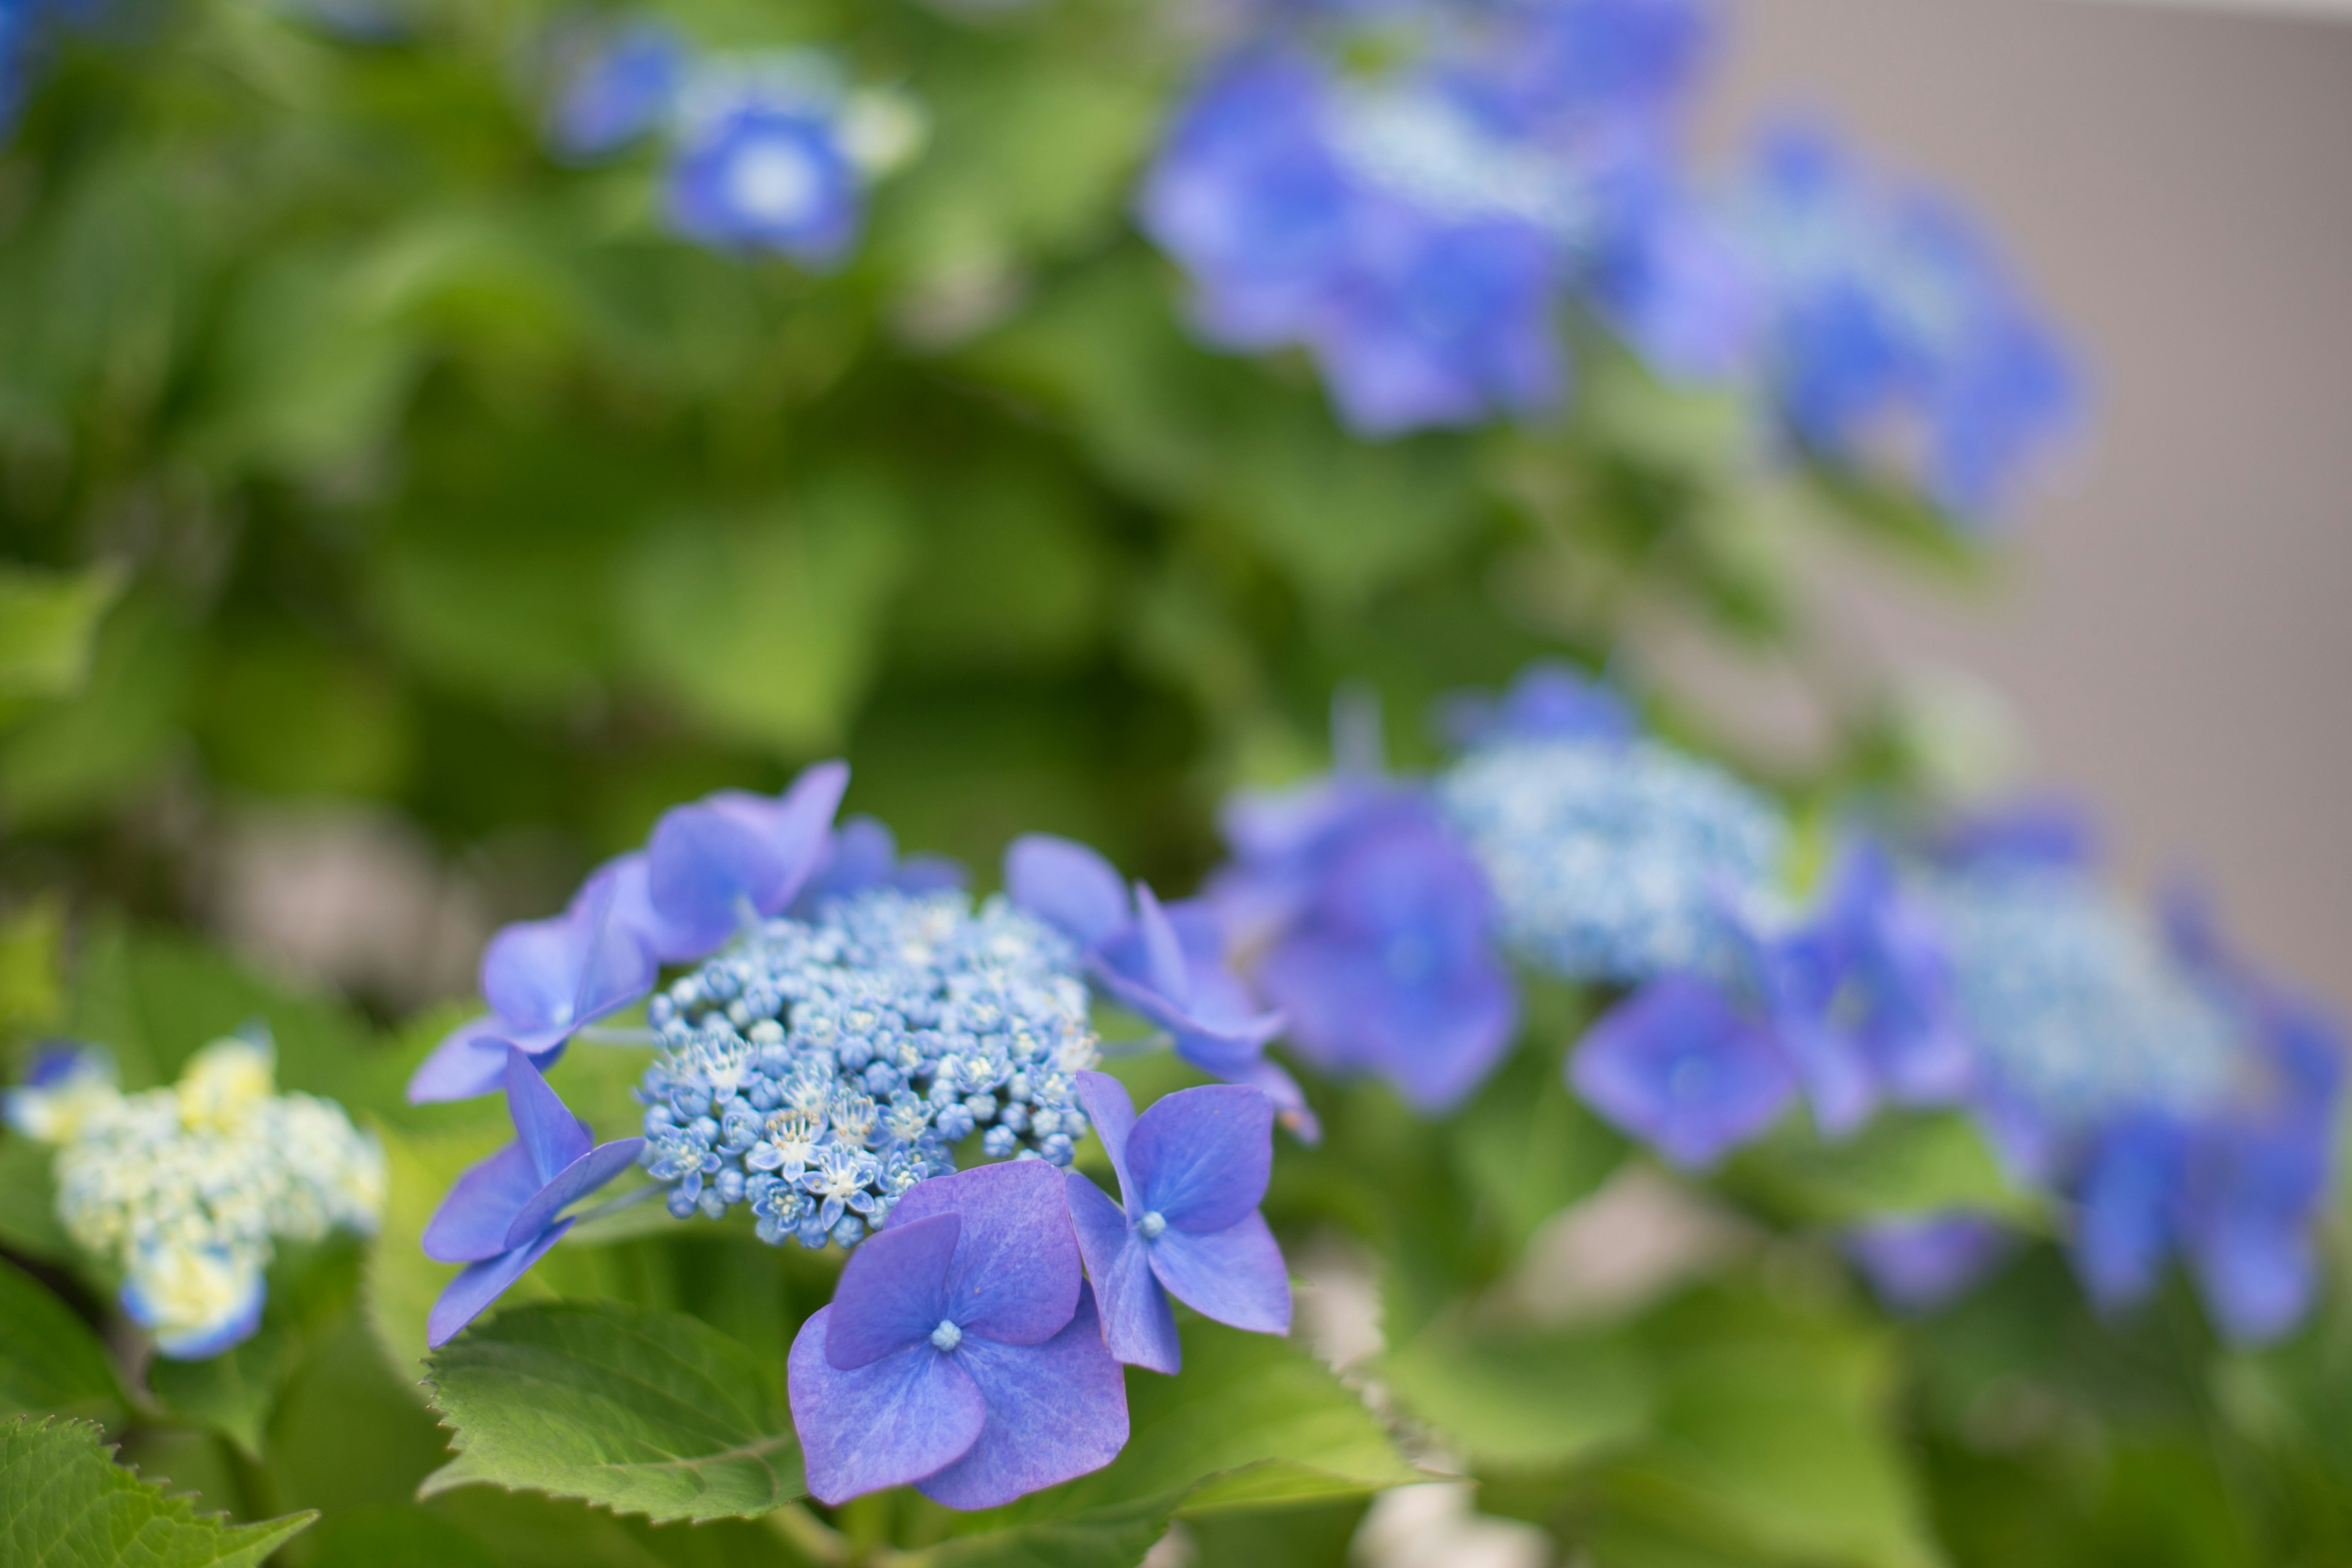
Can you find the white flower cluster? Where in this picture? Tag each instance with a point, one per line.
(187, 1189)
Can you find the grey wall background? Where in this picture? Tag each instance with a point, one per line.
(2176, 631)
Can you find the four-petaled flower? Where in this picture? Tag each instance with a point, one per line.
(1192, 1170)
(1677, 1065)
(502, 1216)
(961, 1352)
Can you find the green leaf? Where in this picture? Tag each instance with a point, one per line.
(767, 626)
(1528, 1147)
(645, 1413)
(48, 627)
(1521, 1400)
(1252, 1420)
(1896, 1164)
(72, 759)
(50, 1360)
(28, 1200)
(64, 1504)
(237, 1392)
(32, 966)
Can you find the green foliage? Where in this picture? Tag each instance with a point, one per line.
(51, 1361)
(63, 1504)
(49, 626)
(651, 1413)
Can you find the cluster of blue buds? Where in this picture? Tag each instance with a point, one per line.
(767, 153)
(187, 1190)
(818, 1070)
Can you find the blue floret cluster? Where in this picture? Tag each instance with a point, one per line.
(818, 1069)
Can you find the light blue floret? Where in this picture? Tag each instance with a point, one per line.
(818, 1069)
(1612, 861)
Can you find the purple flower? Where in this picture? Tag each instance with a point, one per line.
(1167, 965)
(616, 86)
(863, 853)
(961, 1353)
(733, 857)
(501, 1216)
(768, 177)
(1191, 1172)
(1678, 1066)
(1918, 1262)
(1377, 936)
(544, 981)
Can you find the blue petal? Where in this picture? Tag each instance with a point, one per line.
(1111, 1113)
(1055, 1410)
(1066, 885)
(884, 1424)
(478, 1284)
(1139, 1325)
(571, 1184)
(544, 978)
(1202, 1157)
(1015, 1276)
(2259, 1277)
(2126, 1223)
(471, 1060)
(1164, 957)
(544, 1125)
(893, 1292)
(709, 865)
(1235, 1275)
(1675, 1065)
(1918, 1263)
(480, 1207)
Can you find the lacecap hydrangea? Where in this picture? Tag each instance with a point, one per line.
(818, 1068)
(187, 1190)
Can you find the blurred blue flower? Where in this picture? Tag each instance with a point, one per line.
(615, 85)
(1889, 324)
(1679, 1066)
(1918, 1262)
(503, 1214)
(1191, 1173)
(961, 1353)
(1168, 965)
(1374, 935)
(1548, 700)
(768, 178)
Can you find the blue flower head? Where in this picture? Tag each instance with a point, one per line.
(1374, 933)
(1889, 324)
(1191, 1173)
(505, 1213)
(818, 1070)
(961, 1352)
(762, 178)
(615, 85)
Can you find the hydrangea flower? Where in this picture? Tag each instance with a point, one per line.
(1191, 1173)
(1918, 1262)
(818, 1069)
(187, 1189)
(1373, 931)
(1612, 859)
(504, 1213)
(1417, 231)
(1166, 965)
(2182, 1104)
(1889, 324)
(1679, 1066)
(615, 85)
(961, 1353)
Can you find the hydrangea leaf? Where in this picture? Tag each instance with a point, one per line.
(28, 1200)
(76, 758)
(1524, 1401)
(48, 627)
(237, 1392)
(64, 1504)
(1253, 1420)
(50, 1360)
(1527, 1146)
(645, 1413)
(1896, 1164)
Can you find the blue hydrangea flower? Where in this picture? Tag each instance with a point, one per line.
(818, 1070)
(2184, 1104)
(504, 1213)
(764, 178)
(1612, 859)
(187, 1190)
(1374, 935)
(1166, 965)
(615, 85)
(961, 1353)
(1889, 325)
(1191, 1173)
(1918, 1262)
(1679, 1066)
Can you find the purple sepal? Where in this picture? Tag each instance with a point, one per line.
(1676, 1065)
(1056, 1410)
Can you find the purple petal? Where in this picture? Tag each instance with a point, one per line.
(1201, 1156)
(2125, 1226)
(479, 1284)
(883, 1423)
(893, 1292)
(630, 877)
(1015, 1275)
(1066, 885)
(801, 827)
(1272, 1080)
(572, 1183)
(1139, 1325)
(709, 865)
(1918, 1263)
(2257, 1278)
(546, 978)
(1111, 1112)
(471, 1061)
(930, 874)
(861, 856)
(1675, 1065)
(1055, 1410)
(1436, 1039)
(480, 1207)
(542, 1123)
(1163, 955)
(1235, 1275)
